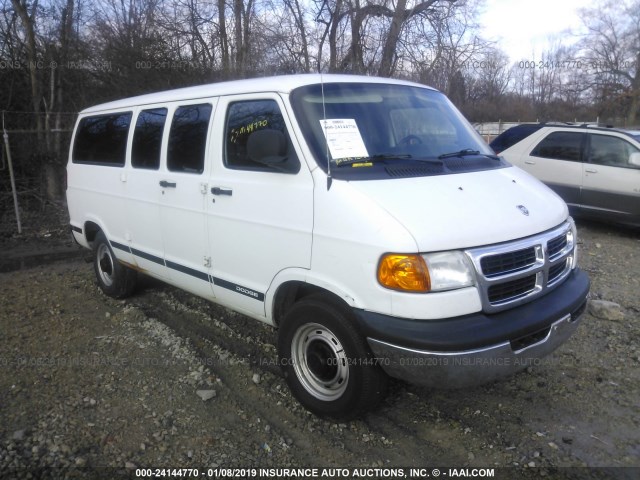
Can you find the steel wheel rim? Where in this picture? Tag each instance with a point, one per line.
(320, 362)
(105, 264)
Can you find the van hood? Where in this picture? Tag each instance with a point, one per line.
(466, 210)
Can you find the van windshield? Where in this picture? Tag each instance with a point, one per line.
(375, 131)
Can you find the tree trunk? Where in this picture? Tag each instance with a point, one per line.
(246, 37)
(333, 37)
(294, 8)
(356, 55)
(53, 171)
(632, 114)
(389, 49)
(29, 28)
(237, 14)
(224, 39)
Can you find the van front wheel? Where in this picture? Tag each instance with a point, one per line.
(326, 362)
(114, 279)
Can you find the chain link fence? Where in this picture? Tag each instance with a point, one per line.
(37, 159)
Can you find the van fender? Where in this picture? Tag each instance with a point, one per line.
(313, 279)
(79, 234)
(88, 233)
(121, 251)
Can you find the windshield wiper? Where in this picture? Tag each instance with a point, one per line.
(372, 159)
(468, 151)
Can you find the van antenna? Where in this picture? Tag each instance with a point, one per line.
(326, 140)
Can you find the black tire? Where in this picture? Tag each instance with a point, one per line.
(115, 279)
(327, 363)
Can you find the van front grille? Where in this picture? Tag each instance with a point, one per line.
(556, 245)
(513, 273)
(557, 270)
(506, 291)
(504, 263)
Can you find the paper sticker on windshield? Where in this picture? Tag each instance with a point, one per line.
(343, 138)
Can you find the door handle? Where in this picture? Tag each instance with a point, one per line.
(221, 191)
(591, 170)
(165, 184)
(529, 162)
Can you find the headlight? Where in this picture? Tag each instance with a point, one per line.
(572, 237)
(425, 273)
(404, 272)
(449, 270)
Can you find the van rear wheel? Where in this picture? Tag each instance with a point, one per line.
(114, 279)
(327, 363)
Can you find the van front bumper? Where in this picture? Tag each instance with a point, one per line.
(478, 348)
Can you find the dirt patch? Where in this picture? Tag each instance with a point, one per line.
(90, 385)
(45, 237)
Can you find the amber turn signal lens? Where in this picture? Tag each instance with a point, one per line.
(404, 272)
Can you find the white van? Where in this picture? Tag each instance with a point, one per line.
(363, 217)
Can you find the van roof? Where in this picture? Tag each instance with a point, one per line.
(282, 84)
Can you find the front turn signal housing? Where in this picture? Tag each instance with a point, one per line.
(405, 272)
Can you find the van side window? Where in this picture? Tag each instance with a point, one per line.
(102, 139)
(560, 146)
(147, 138)
(247, 117)
(188, 138)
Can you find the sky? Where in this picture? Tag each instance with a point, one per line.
(522, 27)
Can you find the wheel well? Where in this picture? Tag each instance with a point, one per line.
(290, 292)
(90, 231)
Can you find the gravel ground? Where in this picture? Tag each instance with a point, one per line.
(91, 386)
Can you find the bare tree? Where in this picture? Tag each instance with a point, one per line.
(611, 48)
(106, 49)
(297, 13)
(224, 39)
(450, 49)
(374, 36)
(489, 77)
(28, 19)
(329, 13)
(282, 31)
(243, 12)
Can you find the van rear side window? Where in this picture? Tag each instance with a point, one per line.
(102, 139)
(147, 139)
(188, 138)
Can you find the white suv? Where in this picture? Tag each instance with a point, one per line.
(595, 170)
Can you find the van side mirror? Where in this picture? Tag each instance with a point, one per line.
(634, 159)
(269, 147)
